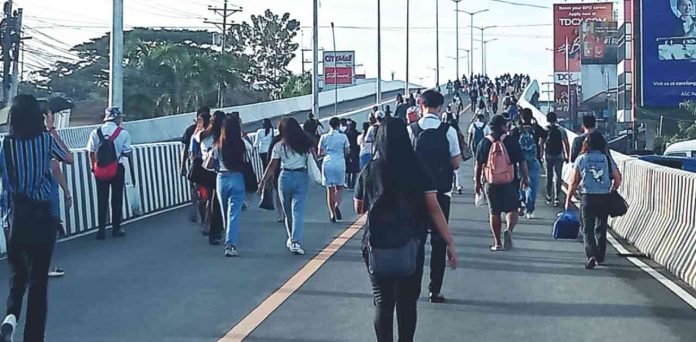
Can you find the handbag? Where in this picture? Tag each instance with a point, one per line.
(251, 183)
(617, 204)
(267, 200)
(394, 262)
(313, 169)
(464, 147)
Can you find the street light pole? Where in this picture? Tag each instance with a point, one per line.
(437, 43)
(472, 14)
(408, 14)
(379, 52)
(116, 57)
(456, 11)
(333, 33)
(315, 60)
(483, 61)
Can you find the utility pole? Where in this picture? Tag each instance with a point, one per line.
(379, 52)
(116, 56)
(225, 12)
(408, 29)
(333, 34)
(16, 49)
(437, 43)
(456, 11)
(483, 57)
(315, 59)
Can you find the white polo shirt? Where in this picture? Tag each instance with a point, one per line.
(122, 142)
(432, 121)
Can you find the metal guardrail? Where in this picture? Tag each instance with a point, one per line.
(661, 220)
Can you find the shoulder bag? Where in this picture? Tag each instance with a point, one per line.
(313, 169)
(617, 204)
(251, 183)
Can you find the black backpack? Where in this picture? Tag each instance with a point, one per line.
(554, 142)
(392, 235)
(432, 147)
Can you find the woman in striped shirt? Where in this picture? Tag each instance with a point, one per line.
(25, 167)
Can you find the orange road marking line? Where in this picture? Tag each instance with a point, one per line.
(256, 317)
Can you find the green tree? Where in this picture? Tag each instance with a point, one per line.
(297, 85)
(268, 41)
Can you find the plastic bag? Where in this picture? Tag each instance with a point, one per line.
(480, 200)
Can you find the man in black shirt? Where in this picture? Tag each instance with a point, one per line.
(502, 198)
(311, 127)
(588, 126)
(401, 108)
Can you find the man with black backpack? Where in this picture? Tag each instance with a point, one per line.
(108, 147)
(437, 145)
(530, 136)
(477, 131)
(588, 126)
(556, 153)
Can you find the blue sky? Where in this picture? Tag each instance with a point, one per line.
(518, 49)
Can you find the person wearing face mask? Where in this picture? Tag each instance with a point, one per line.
(334, 147)
(344, 126)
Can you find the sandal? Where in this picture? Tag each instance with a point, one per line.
(497, 248)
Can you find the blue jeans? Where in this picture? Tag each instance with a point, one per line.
(230, 191)
(292, 187)
(529, 196)
(364, 160)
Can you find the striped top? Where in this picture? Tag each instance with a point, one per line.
(25, 165)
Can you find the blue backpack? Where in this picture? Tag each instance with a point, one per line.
(566, 226)
(527, 143)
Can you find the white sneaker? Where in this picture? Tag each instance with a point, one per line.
(531, 216)
(231, 251)
(7, 328)
(288, 243)
(296, 249)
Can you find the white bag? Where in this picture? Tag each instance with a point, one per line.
(313, 169)
(480, 200)
(132, 193)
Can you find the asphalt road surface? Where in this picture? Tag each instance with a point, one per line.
(163, 282)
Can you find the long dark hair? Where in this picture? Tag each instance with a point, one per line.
(395, 167)
(267, 125)
(293, 136)
(230, 143)
(25, 119)
(594, 142)
(217, 120)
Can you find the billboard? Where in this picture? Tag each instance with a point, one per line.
(567, 21)
(339, 68)
(668, 52)
(599, 42)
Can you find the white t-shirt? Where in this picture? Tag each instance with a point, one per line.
(122, 142)
(431, 121)
(218, 157)
(365, 147)
(477, 124)
(289, 159)
(263, 141)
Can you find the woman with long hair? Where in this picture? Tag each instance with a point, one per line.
(596, 175)
(229, 153)
(276, 192)
(292, 153)
(25, 160)
(353, 160)
(396, 184)
(334, 147)
(264, 136)
(365, 146)
(205, 138)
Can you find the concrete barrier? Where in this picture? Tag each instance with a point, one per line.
(661, 220)
(169, 128)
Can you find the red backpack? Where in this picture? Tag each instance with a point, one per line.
(498, 169)
(106, 164)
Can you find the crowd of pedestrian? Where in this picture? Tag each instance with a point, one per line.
(402, 167)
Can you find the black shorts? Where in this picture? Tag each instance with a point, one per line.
(503, 198)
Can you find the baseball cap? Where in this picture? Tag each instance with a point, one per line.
(112, 113)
